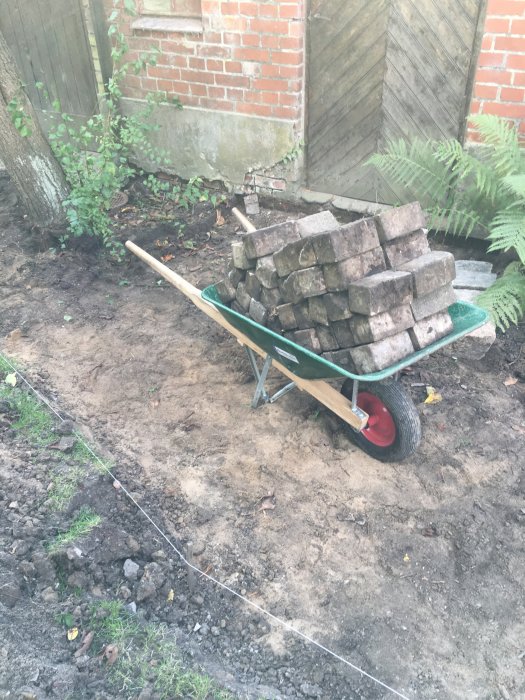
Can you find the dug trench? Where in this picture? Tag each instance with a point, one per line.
(413, 571)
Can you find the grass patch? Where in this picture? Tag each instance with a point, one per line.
(83, 523)
(64, 485)
(147, 656)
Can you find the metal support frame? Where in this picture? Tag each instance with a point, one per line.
(260, 375)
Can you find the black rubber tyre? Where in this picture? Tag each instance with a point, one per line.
(405, 427)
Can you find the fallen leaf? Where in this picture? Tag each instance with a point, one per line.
(166, 258)
(519, 429)
(11, 379)
(72, 633)
(171, 596)
(87, 639)
(161, 244)
(406, 558)
(433, 396)
(220, 220)
(154, 403)
(267, 502)
(111, 654)
(510, 381)
(68, 318)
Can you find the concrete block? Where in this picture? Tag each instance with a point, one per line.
(301, 315)
(271, 297)
(469, 295)
(235, 276)
(237, 307)
(402, 250)
(430, 304)
(473, 346)
(266, 241)
(317, 311)
(346, 241)
(399, 221)
(473, 274)
(286, 316)
(226, 291)
(316, 223)
(273, 323)
(343, 334)
(242, 297)
(252, 285)
(294, 256)
(258, 312)
(430, 272)
(306, 338)
(430, 329)
(369, 329)
(382, 354)
(303, 284)
(380, 292)
(327, 339)
(341, 358)
(337, 307)
(239, 257)
(266, 272)
(251, 204)
(338, 276)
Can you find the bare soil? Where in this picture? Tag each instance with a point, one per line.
(414, 571)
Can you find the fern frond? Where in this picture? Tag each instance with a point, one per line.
(508, 231)
(516, 184)
(505, 299)
(505, 154)
(454, 220)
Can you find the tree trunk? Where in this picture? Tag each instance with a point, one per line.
(35, 172)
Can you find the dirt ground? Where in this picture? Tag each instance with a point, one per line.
(414, 571)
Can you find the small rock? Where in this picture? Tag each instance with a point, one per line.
(204, 629)
(65, 428)
(145, 590)
(198, 600)
(159, 555)
(78, 580)
(66, 444)
(27, 695)
(215, 631)
(131, 569)
(125, 592)
(10, 594)
(73, 553)
(13, 505)
(49, 595)
(198, 548)
(311, 691)
(5, 406)
(132, 607)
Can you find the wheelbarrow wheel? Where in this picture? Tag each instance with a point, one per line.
(393, 431)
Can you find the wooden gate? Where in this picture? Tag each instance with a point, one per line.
(382, 70)
(49, 41)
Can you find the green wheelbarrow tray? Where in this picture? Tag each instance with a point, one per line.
(307, 365)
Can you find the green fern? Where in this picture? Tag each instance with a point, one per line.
(464, 191)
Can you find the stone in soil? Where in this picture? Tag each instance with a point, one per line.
(403, 250)
(266, 241)
(430, 304)
(346, 242)
(473, 274)
(430, 272)
(66, 427)
(66, 443)
(400, 221)
(380, 292)
(239, 257)
(303, 284)
(430, 329)
(382, 354)
(338, 276)
(316, 223)
(475, 345)
(131, 569)
(369, 329)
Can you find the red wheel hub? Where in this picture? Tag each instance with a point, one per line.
(380, 429)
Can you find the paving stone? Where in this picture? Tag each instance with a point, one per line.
(242, 297)
(301, 314)
(339, 275)
(430, 304)
(226, 290)
(271, 297)
(286, 316)
(381, 354)
(369, 329)
(235, 306)
(252, 285)
(266, 272)
(303, 284)
(273, 323)
(235, 276)
(337, 307)
(346, 241)
(380, 292)
(473, 274)
(402, 250)
(266, 241)
(399, 221)
(430, 271)
(294, 256)
(240, 260)
(469, 295)
(251, 204)
(343, 333)
(327, 339)
(341, 358)
(473, 346)
(307, 338)
(430, 329)
(317, 310)
(316, 223)
(258, 312)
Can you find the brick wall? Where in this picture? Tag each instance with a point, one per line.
(500, 77)
(247, 58)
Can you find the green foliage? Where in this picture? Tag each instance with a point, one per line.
(83, 523)
(21, 120)
(463, 192)
(98, 157)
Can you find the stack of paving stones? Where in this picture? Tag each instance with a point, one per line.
(364, 295)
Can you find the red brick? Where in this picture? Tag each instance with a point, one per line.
(499, 77)
(177, 47)
(516, 61)
(193, 76)
(198, 89)
(160, 72)
(518, 78)
(211, 37)
(214, 51)
(495, 25)
(509, 43)
(230, 8)
(236, 23)
(512, 111)
(213, 64)
(270, 71)
(289, 12)
(522, 127)
(231, 39)
(500, 8)
(216, 92)
(196, 63)
(234, 94)
(258, 55)
(475, 107)
(180, 88)
(285, 112)
(270, 41)
(288, 99)
(237, 81)
(291, 59)
(249, 9)
(269, 26)
(145, 44)
(260, 110)
(269, 98)
(251, 40)
(233, 67)
(291, 42)
(268, 10)
(191, 100)
(148, 84)
(486, 92)
(222, 105)
(487, 42)
(512, 95)
(489, 59)
(518, 27)
(267, 84)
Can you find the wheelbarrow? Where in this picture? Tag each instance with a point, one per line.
(378, 412)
